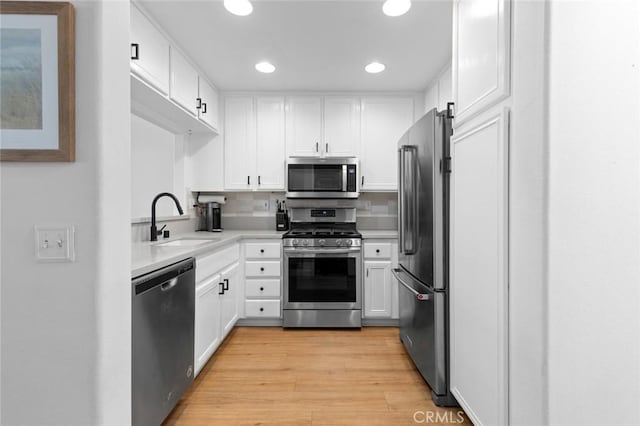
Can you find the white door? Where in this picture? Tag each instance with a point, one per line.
(304, 125)
(341, 126)
(208, 111)
(184, 82)
(239, 143)
(207, 321)
(270, 143)
(149, 52)
(384, 121)
(377, 290)
(230, 299)
(478, 264)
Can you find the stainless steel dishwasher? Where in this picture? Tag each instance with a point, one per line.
(163, 309)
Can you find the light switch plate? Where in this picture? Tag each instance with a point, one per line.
(55, 243)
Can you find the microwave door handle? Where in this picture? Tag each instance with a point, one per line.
(344, 177)
(400, 200)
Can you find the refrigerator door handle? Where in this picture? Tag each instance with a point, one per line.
(401, 200)
(419, 296)
(410, 200)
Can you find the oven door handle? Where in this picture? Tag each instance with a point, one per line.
(419, 296)
(320, 251)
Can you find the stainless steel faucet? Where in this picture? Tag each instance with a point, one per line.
(154, 230)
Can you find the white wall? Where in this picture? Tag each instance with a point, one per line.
(65, 327)
(157, 165)
(439, 91)
(594, 213)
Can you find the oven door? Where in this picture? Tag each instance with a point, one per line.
(317, 278)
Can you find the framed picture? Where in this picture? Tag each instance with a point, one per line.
(37, 81)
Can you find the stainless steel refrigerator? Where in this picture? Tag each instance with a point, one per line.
(422, 273)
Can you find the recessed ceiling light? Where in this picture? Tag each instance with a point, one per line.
(265, 67)
(374, 68)
(396, 7)
(239, 7)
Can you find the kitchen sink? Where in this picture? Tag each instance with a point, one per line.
(187, 242)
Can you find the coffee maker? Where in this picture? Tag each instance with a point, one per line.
(211, 219)
(210, 213)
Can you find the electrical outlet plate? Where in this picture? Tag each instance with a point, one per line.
(55, 243)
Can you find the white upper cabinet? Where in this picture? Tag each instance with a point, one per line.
(270, 143)
(149, 52)
(341, 126)
(208, 100)
(239, 143)
(481, 30)
(304, 125)
(184, 82)
(384, 121)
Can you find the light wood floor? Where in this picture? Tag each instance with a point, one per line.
(309, 377)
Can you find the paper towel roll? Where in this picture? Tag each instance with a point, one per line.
(202, 198)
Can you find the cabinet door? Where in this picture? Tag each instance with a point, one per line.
(384, 121)
(304, 125)
(152, 63)
(377, 289)
(270, 144)
(184, 82)
(481, 60)
(229, 309)
(341, 126)
(207, 321)
(239, 143)
(208, 111)
(478, 264)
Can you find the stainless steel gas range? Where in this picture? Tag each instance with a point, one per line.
(322, 269)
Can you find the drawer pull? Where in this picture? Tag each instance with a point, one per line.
(261, 288)
(261, 269)
(377, 250)
(261, 309)
(261, 250)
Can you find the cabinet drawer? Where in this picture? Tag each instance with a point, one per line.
(262, 250)
(262, 308)
(212, 262)
(377, 250)
(263, 269)
(262, 288)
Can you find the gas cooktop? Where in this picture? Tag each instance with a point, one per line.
(325, 230)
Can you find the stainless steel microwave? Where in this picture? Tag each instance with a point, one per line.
(312, 177)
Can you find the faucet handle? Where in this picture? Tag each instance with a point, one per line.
(161, 229)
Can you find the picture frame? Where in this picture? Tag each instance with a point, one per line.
(37, 81)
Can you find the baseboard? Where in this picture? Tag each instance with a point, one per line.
(260, 322)
(380, 322)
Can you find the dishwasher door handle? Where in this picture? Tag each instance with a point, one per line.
(419, 296)
(169, 284)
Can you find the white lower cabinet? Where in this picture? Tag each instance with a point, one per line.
(377, 289)
(218, 291)
(380, 287)
(229, 299)
(263, 281)
(207, 322)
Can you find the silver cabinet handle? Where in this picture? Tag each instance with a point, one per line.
(419, 296)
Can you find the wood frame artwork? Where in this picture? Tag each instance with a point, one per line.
(37, 81)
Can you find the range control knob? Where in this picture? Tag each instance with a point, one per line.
(322, 242)
(305, 242)
(349, 242)
(294, 243)
(339, 243)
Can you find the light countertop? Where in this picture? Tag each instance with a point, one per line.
(375, 234)
(148, 256)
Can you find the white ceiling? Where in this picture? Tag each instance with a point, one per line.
(315, 45)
